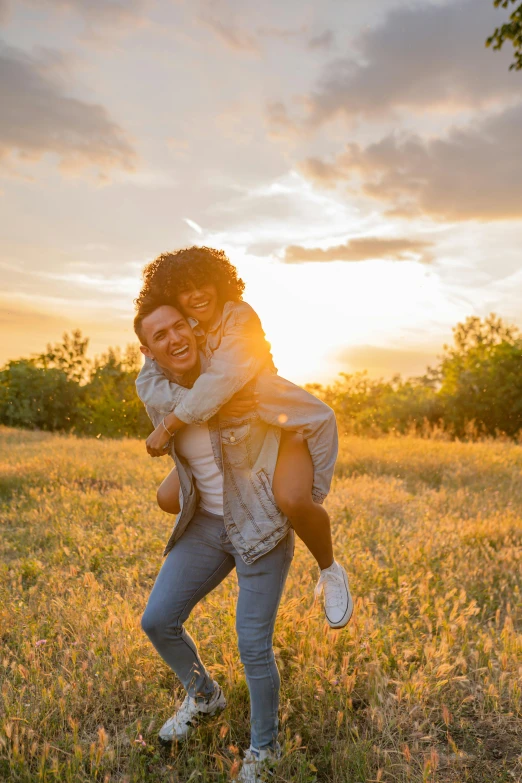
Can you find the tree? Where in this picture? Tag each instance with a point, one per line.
(481, 377)
(511, 31)
(37, 398)
(477, 333)
(110, 405)
(365, 405)
(68, 356)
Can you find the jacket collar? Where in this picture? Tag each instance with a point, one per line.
(214, 325)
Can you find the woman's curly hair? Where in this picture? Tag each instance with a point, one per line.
(171, 272)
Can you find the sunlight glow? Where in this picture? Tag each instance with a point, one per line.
(311, 312)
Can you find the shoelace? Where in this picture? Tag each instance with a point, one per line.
(188, 709)
(255, 769)
(333, 586)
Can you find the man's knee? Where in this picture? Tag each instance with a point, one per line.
(150, 623)
(254, 649)
(156, 625)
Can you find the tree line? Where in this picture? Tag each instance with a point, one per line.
(62, 390)
(475, 389)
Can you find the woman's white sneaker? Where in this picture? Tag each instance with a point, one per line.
(191, 712)
(338, 603)
(258, 764)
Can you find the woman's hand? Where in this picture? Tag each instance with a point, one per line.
(158, 441)
(240, 405)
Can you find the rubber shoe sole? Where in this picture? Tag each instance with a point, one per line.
(347, 616)
(203, 717)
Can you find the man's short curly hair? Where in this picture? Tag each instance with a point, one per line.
(171, 272)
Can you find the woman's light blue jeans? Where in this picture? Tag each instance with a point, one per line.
(199, 561)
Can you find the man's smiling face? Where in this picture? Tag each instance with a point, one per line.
(170, 340)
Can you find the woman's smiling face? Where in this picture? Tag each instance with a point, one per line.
(199, 302)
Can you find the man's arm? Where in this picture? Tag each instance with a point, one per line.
(289, 407)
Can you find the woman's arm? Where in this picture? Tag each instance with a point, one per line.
(241, 355)
(155, 390)
(241, 404)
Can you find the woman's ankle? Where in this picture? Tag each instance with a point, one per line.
(326, 567)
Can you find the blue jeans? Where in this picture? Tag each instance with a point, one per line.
(199, 561)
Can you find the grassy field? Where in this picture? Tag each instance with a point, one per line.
(424, 684)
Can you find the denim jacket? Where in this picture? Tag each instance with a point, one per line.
(246, 450)
(236, 347)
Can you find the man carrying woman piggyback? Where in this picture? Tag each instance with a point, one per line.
(254, 458)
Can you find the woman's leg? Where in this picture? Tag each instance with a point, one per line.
(195, 566)
(260, 588)
(292, 488)
(168, 493)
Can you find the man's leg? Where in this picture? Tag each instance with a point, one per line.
(195, 566)
(260, 588)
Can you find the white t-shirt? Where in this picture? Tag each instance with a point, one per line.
(193, 443)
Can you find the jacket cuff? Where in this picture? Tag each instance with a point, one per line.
(184, 415)
(317, 497)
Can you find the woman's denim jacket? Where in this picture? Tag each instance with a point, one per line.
(236, 353)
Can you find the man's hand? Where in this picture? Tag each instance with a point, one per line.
(157, 442)
(241, 404)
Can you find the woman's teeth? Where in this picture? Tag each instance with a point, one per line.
(202, 305)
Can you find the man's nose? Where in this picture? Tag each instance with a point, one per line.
(175, 337)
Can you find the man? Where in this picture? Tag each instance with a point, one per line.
(228, 519)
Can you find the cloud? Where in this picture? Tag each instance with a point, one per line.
(15, 317)
(111, 12)
(279, 121)
(282, 33)
(362, 249)
(474, 172)
(421, 57)
(232, 36)
(235, 27)
(324, 173)
(323, 40)
(193, 225)
(38, 117)
(4, 11)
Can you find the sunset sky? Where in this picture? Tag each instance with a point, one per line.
(359, 161)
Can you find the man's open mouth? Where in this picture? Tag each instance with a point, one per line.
(179, 353)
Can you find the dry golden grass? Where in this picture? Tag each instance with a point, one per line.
(424, 685)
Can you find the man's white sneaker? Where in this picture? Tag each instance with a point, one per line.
(190, 713)
(258, 764)
(338, 603)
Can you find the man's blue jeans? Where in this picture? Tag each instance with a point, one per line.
(199, 561)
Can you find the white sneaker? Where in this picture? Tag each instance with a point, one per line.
(257, 765)
(338, 603)
(190, 713)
